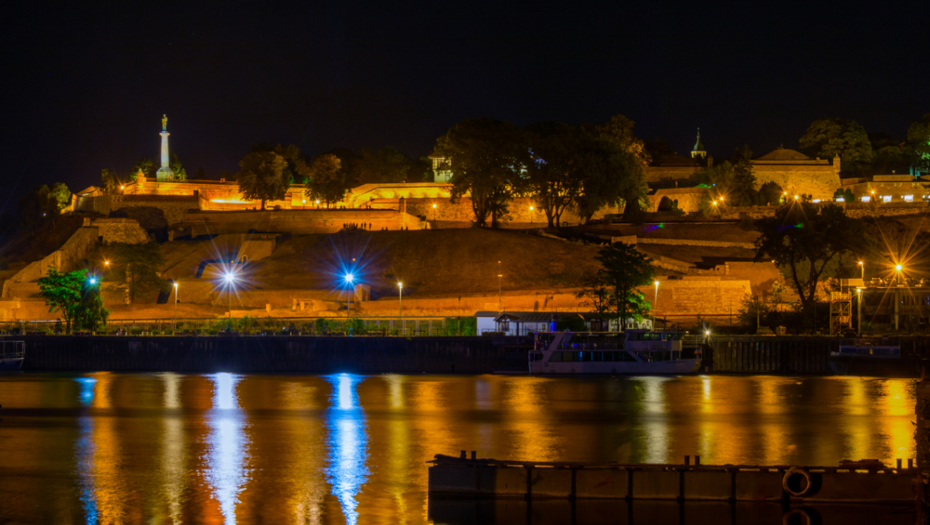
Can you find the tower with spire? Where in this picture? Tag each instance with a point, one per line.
(698, 151)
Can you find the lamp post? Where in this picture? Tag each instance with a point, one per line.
(531, 215)
(434, 212)
(349, 280)
(230, 279)
(400, 302)
(175, 325)
(897, 296)
(655, 306)
(862, 271)
(859, 306)
(499, 277)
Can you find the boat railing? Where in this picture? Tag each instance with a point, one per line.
(12, 349)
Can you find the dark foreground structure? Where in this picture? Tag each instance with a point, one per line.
(475, 490)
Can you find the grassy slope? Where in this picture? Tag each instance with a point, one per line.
(430, 262)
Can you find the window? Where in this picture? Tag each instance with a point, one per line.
(886, 198)
(908, 198)
(840, 199)
(866, 199)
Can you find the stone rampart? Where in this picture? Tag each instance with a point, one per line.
(298, 221)
(65, 259)
(120, 230)
(173, 206)
(692, 242)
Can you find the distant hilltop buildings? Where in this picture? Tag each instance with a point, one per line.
(794, 172)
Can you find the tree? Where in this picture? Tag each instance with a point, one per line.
(619, 130)
(386, 165)
(623, 270)
(595, 290)
(734, 181)
(59, 198)
(91, 313)
(487, 158)
(262, 176)
(611, 177)
(147, 166)
(888, 154)
(138, 266)
(327, 180)
(62, 293)
(179, 172)
(769, 193)
(555, 172)
(918, 145)
(109, 181)
(752, 312)
(809, 242)
(827, 138)
(297, 170)
(632, 190)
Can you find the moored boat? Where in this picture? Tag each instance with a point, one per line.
(12, 354)
(633, 352)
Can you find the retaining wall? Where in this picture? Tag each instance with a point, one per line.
(320, 355)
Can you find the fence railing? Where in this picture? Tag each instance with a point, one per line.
(296, 326)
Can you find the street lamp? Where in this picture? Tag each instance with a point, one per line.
(349, 280)
(897, 269)
(230, 279)
(400, 302)
(655, 306)
(93, 281)
(859, 304)
(862, 269)
(499, 277)
(175, 325)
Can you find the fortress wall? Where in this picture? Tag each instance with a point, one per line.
(518, 210)
(659, 173)
(296, 221)
(819, 181)
(121, 230)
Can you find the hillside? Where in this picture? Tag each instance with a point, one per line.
(428, 262)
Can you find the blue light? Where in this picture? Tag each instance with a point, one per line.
(349, 278)
(347, 443)
(85, 450)
(93, 281)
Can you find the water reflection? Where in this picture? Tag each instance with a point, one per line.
(173, 447)
(170, 448)
(228, 445)
(348, 444)
(654, 421)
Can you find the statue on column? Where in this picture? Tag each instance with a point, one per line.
(164, 122)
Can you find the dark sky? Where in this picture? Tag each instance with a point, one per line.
(86, 83)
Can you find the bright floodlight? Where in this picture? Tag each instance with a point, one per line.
(350, 278)
(93, 281)
(706, 332)
(175, 285)
(230, 277)
(897, 267)
(400, 284)
(656, 283)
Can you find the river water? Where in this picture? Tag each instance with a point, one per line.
(224, 448)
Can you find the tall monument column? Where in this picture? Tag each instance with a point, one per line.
(164, 173)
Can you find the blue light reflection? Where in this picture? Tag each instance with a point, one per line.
(348, 444)
(84, 450)
(228, 445)
(86, 395)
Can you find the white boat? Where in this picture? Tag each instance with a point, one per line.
(12, 354)
(633, 352)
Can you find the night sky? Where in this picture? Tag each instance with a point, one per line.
(87, 83)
